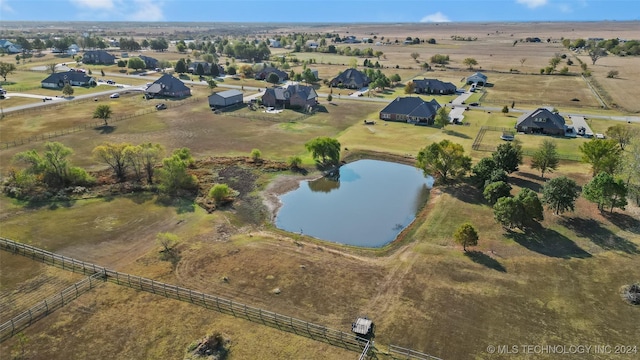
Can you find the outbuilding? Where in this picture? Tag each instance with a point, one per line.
(225, 98)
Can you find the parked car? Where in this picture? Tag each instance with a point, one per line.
(114, 96)
(474, 104)
(161, 106)
(111, 82)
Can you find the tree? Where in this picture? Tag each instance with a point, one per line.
(6, 69)
(560, 194)
(181, 47)
(308, 76)
(143, 159)
(415, 56)
(324, 150)
(395, 78)
(466, 235)
(212, 84)
(440, 59)
(168, 242)
(329, 98)
(482, 171)
(145, 43)
(52, 168)
(173, 176)
(508, 212)
(122, 63)
(470, 62)
(595, 52)
(181, 66)
(554, 61)
(522, 61)
(631, 169)
(353, 63)
(220, 192)
(508, 156)
(622, 134)
(602, 154)
(51, 68)
(103, 112)
(606, 191)
(115, 156)
(410, 88)
(273, 78)
(505, 109)
(67, 90)
(256, 154)
(496, 190)
(444, 161)
(531, 206)
(545, 158)
(442, 118)
(136, 63)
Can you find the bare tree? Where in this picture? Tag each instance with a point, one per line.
(522, 61)
(595, 52)
(51, 68)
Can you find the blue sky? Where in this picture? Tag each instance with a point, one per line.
(322, 11)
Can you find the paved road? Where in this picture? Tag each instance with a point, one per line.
(634, 119)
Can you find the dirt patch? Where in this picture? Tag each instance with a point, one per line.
(282, 185)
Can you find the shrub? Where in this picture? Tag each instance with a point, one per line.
(220, 192)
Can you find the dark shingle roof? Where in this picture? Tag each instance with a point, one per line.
(435, 85)
(167, 84)
(75, 76)
(541, 118)
(412, 106)
(351, 77)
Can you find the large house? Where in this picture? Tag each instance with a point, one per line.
(434, 86)
(264, 74)
(9, 47)
(541, 121)
(291, 96)
(225, 98)
(98, 57)
(149, 62)
(167, 86)
(71, 77)
(352, 79)
(477, 78)
(413, 110)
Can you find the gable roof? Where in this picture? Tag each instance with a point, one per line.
(148, 60)
(98, 56)
(478, 74)
(412, 106)
(541, 118)
(351, 77)
(228, 93)
(168, 84)
(305, 92)
(71, 75)
(264, 73)
(277, 93)
(435, 85)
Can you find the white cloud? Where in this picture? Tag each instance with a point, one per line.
(94, 4)
(565, 8)
(436, 18)
(532, 4)
(147, 10)
(5, 7)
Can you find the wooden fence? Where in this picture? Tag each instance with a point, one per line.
(49, 305)
(313, 331)
(89, 125)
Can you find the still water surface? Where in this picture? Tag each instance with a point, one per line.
(368, 206)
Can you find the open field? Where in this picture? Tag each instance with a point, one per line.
(557, 285)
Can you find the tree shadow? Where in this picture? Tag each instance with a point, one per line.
(524, 183)
(548, 242)
(600, 235)
(105, 129)
(457, 134)
(481, 258)
(182, 204)
(464, 191)
(531, 176)
(623, 221)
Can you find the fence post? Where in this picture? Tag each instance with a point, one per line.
(204, 301)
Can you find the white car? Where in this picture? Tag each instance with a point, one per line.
(114, 96)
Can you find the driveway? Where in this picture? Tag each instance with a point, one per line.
(461, 98)
(578, 122)
(457, 113)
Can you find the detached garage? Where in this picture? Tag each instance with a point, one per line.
(225, 98)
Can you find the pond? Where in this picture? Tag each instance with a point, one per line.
(368, 204)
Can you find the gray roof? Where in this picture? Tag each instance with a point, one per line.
(435, 85)
(478, 74)
(71, 75)
(264, 73)
(228, 93)
(412, 106)
(305, 92)
(167, 84)
(351, 77)
(541, 118)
